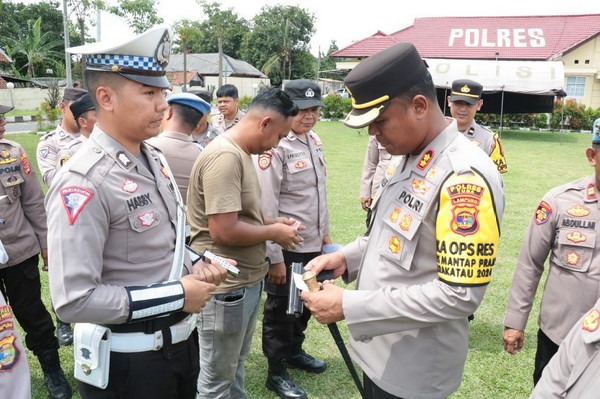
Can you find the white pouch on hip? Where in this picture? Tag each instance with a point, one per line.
(91, 345)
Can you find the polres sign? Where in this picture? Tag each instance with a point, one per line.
(501, 38)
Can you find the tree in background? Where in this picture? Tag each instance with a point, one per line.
(17, 27)
(141, 15)
(39, 49)
(279, 35)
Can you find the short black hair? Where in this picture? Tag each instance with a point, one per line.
(95, 79)
(275, 99)
(227, 91)
(424, 86)
(187, 115)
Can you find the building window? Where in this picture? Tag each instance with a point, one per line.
(575, 86)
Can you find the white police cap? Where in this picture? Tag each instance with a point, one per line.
(142, 59)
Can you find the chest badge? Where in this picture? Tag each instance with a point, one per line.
(129, 186)
(147, 218)
(576, 237)
(578, 211)
(573, 258)
(591, 322)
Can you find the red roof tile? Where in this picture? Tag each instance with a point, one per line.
(524, 38)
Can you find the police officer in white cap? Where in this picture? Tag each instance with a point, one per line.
(175, 141)
(130, 287)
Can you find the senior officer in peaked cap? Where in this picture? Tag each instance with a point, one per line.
(425, 264)
(132, 275)
(175, 141)
(464, 101)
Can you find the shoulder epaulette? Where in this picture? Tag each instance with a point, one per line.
(84, 164)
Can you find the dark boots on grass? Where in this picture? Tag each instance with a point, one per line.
(57, 384)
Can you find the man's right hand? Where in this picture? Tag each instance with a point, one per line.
(365, 203)
(286, 236)
(335, 261)
(196, 292)
(513, 340)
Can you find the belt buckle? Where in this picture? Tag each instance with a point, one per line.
(158, 340)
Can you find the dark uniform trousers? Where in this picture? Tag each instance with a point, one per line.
(546, 348)
(20, 284)
(169, 373)
(283, 335)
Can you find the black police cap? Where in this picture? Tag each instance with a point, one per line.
(379, 78)
(466, 90)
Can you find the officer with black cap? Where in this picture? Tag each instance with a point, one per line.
(84, 113)
(131, 288)
(23, 233)
(293, 185)
(416, 278)
(464, 101)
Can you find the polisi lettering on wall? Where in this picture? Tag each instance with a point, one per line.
(501, 38)
(136, 202)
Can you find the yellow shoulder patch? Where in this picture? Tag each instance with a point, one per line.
(467, 231)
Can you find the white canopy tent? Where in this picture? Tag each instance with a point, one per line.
(508, 86)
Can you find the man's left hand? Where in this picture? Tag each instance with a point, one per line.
(325, 305)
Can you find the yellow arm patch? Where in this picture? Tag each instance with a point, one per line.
(467, 231)
(497, 155)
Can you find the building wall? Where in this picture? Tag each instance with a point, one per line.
(585, 61)
(23, 98)
(246, 86)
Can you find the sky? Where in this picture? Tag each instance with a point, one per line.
(338, 20)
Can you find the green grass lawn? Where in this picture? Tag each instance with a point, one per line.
(536, 161)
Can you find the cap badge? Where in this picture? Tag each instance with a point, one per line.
(309, 93)
(163, 50)
(465, 89)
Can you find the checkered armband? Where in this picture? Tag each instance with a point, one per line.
(155, 300)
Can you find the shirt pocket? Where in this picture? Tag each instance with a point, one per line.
(576, 249)
(12, 186)
(398, 240)
(299, 174)
(144, 243)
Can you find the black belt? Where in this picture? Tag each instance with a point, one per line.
(148, 326)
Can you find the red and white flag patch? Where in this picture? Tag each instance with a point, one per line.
(74, 199)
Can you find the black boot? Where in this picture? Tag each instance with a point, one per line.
(304, 361)
(57, 384)
(280, 382)
(64, 333)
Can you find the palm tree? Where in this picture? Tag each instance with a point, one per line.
(35, 46)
